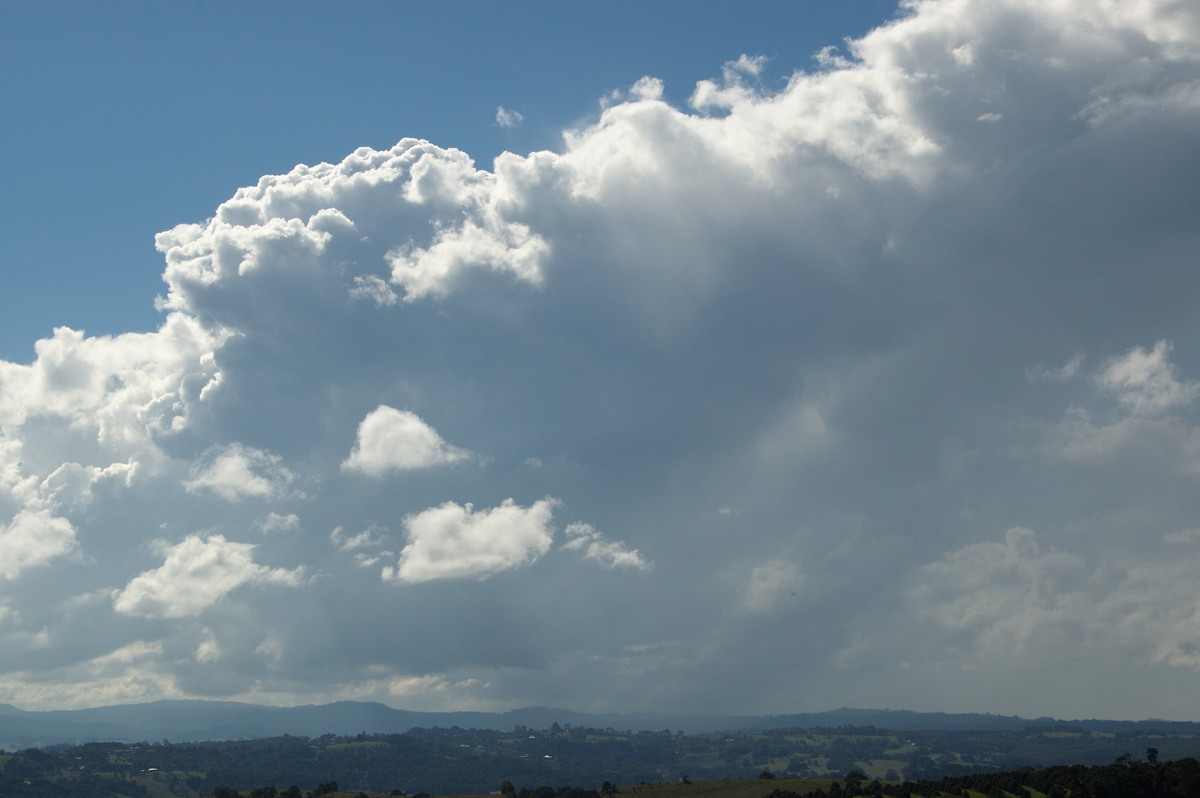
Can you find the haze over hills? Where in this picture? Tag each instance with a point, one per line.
(192, 721)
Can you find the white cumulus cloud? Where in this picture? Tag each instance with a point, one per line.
(235, 472)
(398, 440)
(195, 574)
(31, 539)
(454, 541)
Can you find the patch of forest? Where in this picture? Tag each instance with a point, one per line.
(794, 762)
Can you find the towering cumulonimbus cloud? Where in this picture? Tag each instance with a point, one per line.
(883, 380)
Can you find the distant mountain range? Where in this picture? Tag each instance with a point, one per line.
(193, 721)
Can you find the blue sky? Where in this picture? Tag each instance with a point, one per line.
(602, 356)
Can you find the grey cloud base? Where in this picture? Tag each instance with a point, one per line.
(875, 390)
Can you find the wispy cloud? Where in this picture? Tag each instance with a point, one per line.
(507, 118)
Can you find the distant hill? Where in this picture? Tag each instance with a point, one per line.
(194, 721)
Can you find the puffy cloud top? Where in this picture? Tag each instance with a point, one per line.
(195, 574)
(33, 538)
(237, 472)
(455, 541)
(390, 439)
